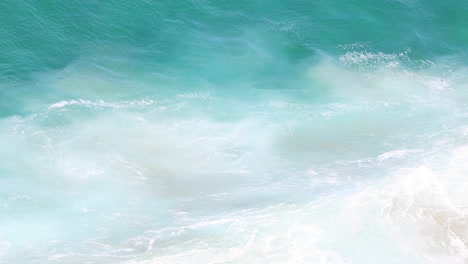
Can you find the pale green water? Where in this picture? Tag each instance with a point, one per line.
(233, 132)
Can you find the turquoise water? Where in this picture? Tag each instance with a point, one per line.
(233, 132)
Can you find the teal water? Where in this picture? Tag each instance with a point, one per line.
(233, 131)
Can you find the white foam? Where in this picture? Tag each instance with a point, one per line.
(396, 154)
(367, 58)
(199, 95)
(101, 104)
(253, 188)
(424, 210)
(253, 236)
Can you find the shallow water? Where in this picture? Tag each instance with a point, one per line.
(222, 132)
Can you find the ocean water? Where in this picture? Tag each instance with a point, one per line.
(234, 131)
